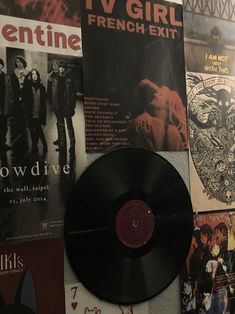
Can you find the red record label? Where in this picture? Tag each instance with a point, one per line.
(135, 224)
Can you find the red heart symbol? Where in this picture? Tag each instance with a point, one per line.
(74, 305)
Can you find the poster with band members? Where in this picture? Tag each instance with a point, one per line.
(209, 37)
(32, 277)
(41, 116)
(208, 277)
(134, 89)
(211, 111)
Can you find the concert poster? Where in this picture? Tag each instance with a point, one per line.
(32, 277)
(134, 79)
(208, 277)
(209, 37)
(41, 115)
(211, 111)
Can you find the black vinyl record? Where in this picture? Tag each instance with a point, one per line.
(128, 226)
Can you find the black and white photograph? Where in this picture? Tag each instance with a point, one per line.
(40, 108)
(209, 39)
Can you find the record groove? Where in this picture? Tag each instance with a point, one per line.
(128, 226)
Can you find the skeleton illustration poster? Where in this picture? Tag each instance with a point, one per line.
(211, 101)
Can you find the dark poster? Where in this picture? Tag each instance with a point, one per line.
(209, 36)
(32, 277)
(134, 80)
(208, 277)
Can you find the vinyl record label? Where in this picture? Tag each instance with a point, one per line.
(134, 223)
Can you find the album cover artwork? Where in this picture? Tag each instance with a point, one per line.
(211, 111)
(65, 12)
(79, 300)
(40, 113)
(32, 277)
(209, 36)
(133, 86)
(208, 276)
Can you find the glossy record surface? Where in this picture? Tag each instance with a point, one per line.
(108, 268)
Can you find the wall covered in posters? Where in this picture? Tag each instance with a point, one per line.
(34, 191)
(207, 279)
(209, 58)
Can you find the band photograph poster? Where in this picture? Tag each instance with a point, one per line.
(208, 276)
(134, 78)
(211, 111)
(40, 108)
(209, 39)
(32, 277)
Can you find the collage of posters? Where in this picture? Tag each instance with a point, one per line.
(40, 115)
(208, 276)
(210, 64)
(151, 74)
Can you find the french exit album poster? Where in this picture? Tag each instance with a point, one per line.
(41, 114)
(134, 79)
(32, 277)
(209, 36)
(211, 111)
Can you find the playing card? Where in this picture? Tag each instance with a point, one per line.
(79, 300)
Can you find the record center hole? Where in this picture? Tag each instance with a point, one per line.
(135, 223)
